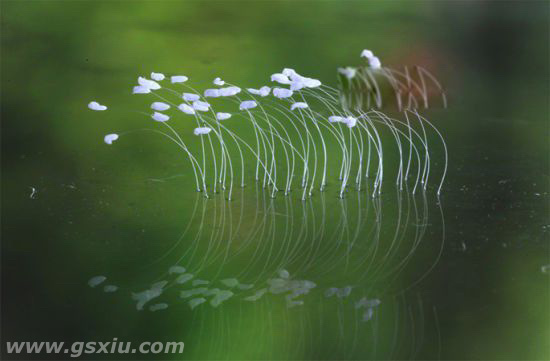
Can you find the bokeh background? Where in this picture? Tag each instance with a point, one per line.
(95, 211)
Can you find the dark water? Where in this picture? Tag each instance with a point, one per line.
(460, 276)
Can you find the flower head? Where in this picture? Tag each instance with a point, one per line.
(190, 97)
(348, 72)
(96, 106)
(187, 109)
(223, 116)
(151, 84)
(282, 93)
(280, 78)
(263, 91)
(211, 93)
(178, 79)
(201, 106)
(110, 138)
(300, 105)
(159, 117)
(157, 76)
(350, 122)
(366, 53)
(248, 104)
(218, 81)
(336, 119)
(229, 91)
(201, 130)
(160, 106)
(375, 63)
(139, 89)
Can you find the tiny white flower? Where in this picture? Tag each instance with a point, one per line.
(201, 130)
(253, 91)
(223, 116)
(229, 91)
(336, 119)
(311, 83)
(297, 85)
(96, 106)
(212, 93)
(160, 106)
(375, 63)
(300, 105)
(151, 84)
(218, 81)
(351, 122)
(280, 78)
(178, 79)
(190, 97)
(110, 138)
(201, 106)
(159, 117)
(282, 93)
(367, 54)
(139, 89)
(264, 91)
(248, 104)
(348, 72)
(157, 76)
(187, 109)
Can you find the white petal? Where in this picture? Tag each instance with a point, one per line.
(97, 280)
(229, 91)
(282, 93)
(187, 109)
(201, 106)
(297, 85)
(289, 72)
(280, 78)
(223, 116)
(96, 106)
(190, 97)
(264, 91)
(348, 72)
(160, 106)
(157, 76)
(375, 63)
(350, 122)
(253, 91)
(248, 104)
(201, 130)
(159, 117)
(140, 89)
(151, 84)
(178, 79)
(311, 83)
(110, 138)
(336, 119)
(367, 54)
(212, 93)
(300, 105)
(218, 81)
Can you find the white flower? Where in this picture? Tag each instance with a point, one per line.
(218, 81)
(212, 93)
(157, 76)
(110, 138)
(280, 78)
(223, 116)
(375, 63)
(311, 83)
(190, 97)
(367, 54)
(248, 104)
(160, 106)
(289, 72)
(336, 119)
(159, 117)
(300, 105)
(201, 106)
(263, 91)
(350, 122)
(151, 84)
(139, 89)
(348, 72)
(96, 106)
(187, 109)
(201, 130)
(229, 91)
(297, 85)
(282, 93)
(178, 79)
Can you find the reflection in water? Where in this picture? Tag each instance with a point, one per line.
(317, 269)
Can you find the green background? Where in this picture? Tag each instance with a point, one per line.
(97, 212)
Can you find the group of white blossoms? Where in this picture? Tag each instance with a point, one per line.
(193, 104)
